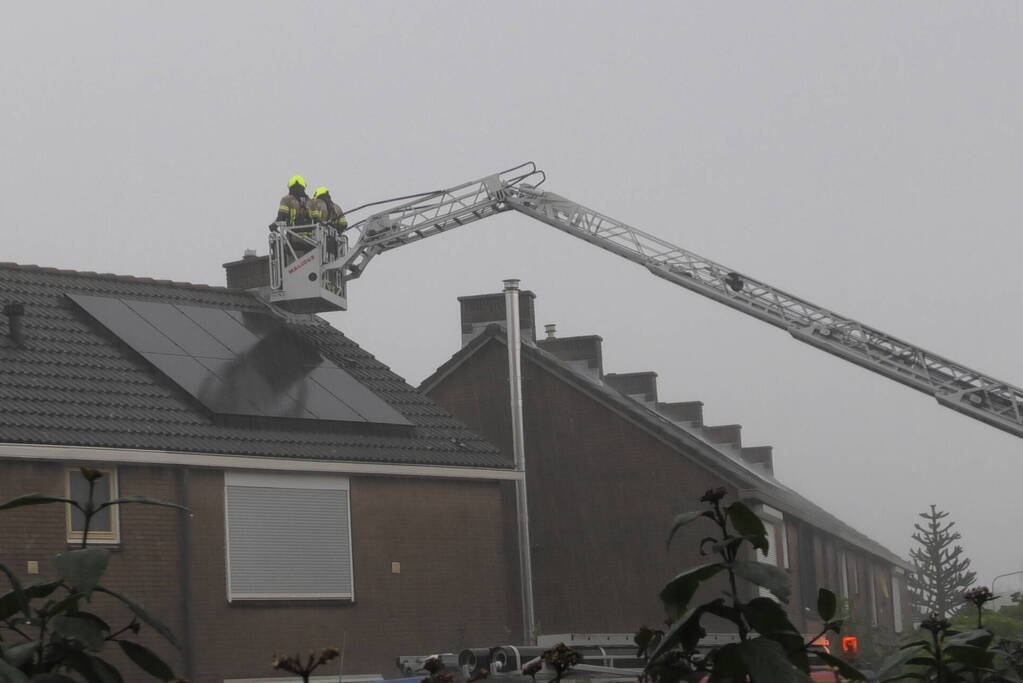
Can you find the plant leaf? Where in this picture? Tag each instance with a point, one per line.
(141, 500)
(9, 603)
(774, 579)
(970, 655)
(9, 674)
(677, 593)
(728, 664)
(845, 669)
(18, 597)
(766, 661)
(978, 637)
(766, 616)
(144, 616)
(83, 568)
(35, 499)
(684, 519)
(105, 671)
(147, 660)
(681, 631)
(83, 627)
(827, 604)
(747, 524)
(52, 678)
(18, 655)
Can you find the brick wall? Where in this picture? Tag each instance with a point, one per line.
(602, 494)
(447, 535)
(145, 565)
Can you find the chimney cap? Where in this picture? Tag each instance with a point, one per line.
(550, 329)
(249, 254)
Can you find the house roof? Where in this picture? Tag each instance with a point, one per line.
(76, 383)
(752, 482)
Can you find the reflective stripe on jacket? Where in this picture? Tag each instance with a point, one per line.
(293, 210)
(327, 212)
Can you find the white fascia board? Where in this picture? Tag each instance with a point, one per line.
(242, 462)
(347, 678)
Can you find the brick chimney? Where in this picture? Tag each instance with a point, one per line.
(759, 457)
(641, 386)
(582, 353)
(482, 310)
(251, 272)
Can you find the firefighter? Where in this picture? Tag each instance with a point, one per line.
(322, 209)
(294, 205)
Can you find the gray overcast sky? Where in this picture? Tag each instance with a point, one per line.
(864, 155)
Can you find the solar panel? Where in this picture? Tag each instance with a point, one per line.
(239, 362)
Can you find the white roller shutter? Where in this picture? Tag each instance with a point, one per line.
(288, 537)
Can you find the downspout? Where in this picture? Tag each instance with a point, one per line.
(511, 300)
(185, 571)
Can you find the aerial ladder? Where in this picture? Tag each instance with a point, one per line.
(313, 277)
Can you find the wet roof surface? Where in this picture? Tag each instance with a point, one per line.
(76, 383)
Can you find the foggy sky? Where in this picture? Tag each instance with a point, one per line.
(866, 156)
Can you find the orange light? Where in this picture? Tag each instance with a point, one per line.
(850, 645)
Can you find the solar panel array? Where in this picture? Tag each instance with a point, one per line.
(239, 362)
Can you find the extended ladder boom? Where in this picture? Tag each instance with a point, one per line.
(955, 386)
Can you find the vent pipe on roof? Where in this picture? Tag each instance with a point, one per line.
(511, 297)
(550, 330)
(14, 312)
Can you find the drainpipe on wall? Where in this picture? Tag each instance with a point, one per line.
(511, 299)
(185, 569)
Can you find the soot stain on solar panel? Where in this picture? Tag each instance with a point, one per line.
(241, 363)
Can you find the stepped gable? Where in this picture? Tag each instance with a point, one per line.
(73, 383)
(681, 425)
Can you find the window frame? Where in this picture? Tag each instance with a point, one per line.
(239, 478)
(96, 537)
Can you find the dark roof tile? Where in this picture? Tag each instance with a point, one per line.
(76, 384)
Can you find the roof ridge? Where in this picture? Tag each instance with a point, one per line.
(110, 276)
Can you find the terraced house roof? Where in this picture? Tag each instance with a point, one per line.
(73, 382)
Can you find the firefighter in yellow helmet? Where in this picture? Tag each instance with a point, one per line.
(294, 209)
(322, 209)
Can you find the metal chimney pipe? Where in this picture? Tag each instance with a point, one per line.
(15, 330)
(550, 329)
(511, 300)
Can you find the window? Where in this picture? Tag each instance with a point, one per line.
(873, 595)
(785, 544)
(105, 527)
(288, 537)
(772, 555)
(807, 566)
(897, 603)
(843, 572)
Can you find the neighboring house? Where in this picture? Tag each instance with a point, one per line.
(331, 503)
(607, 467)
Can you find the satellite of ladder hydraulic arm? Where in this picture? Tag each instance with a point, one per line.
(955, 386)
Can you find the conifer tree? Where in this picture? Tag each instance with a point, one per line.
(940, 573)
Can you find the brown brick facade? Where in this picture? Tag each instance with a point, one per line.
(448, 536)
(601, 497)
(602, 492)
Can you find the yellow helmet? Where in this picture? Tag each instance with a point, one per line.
(296, 180)
(319, 191)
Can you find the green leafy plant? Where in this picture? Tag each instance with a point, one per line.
(942, 654)
(48, 634)
(769, 648)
